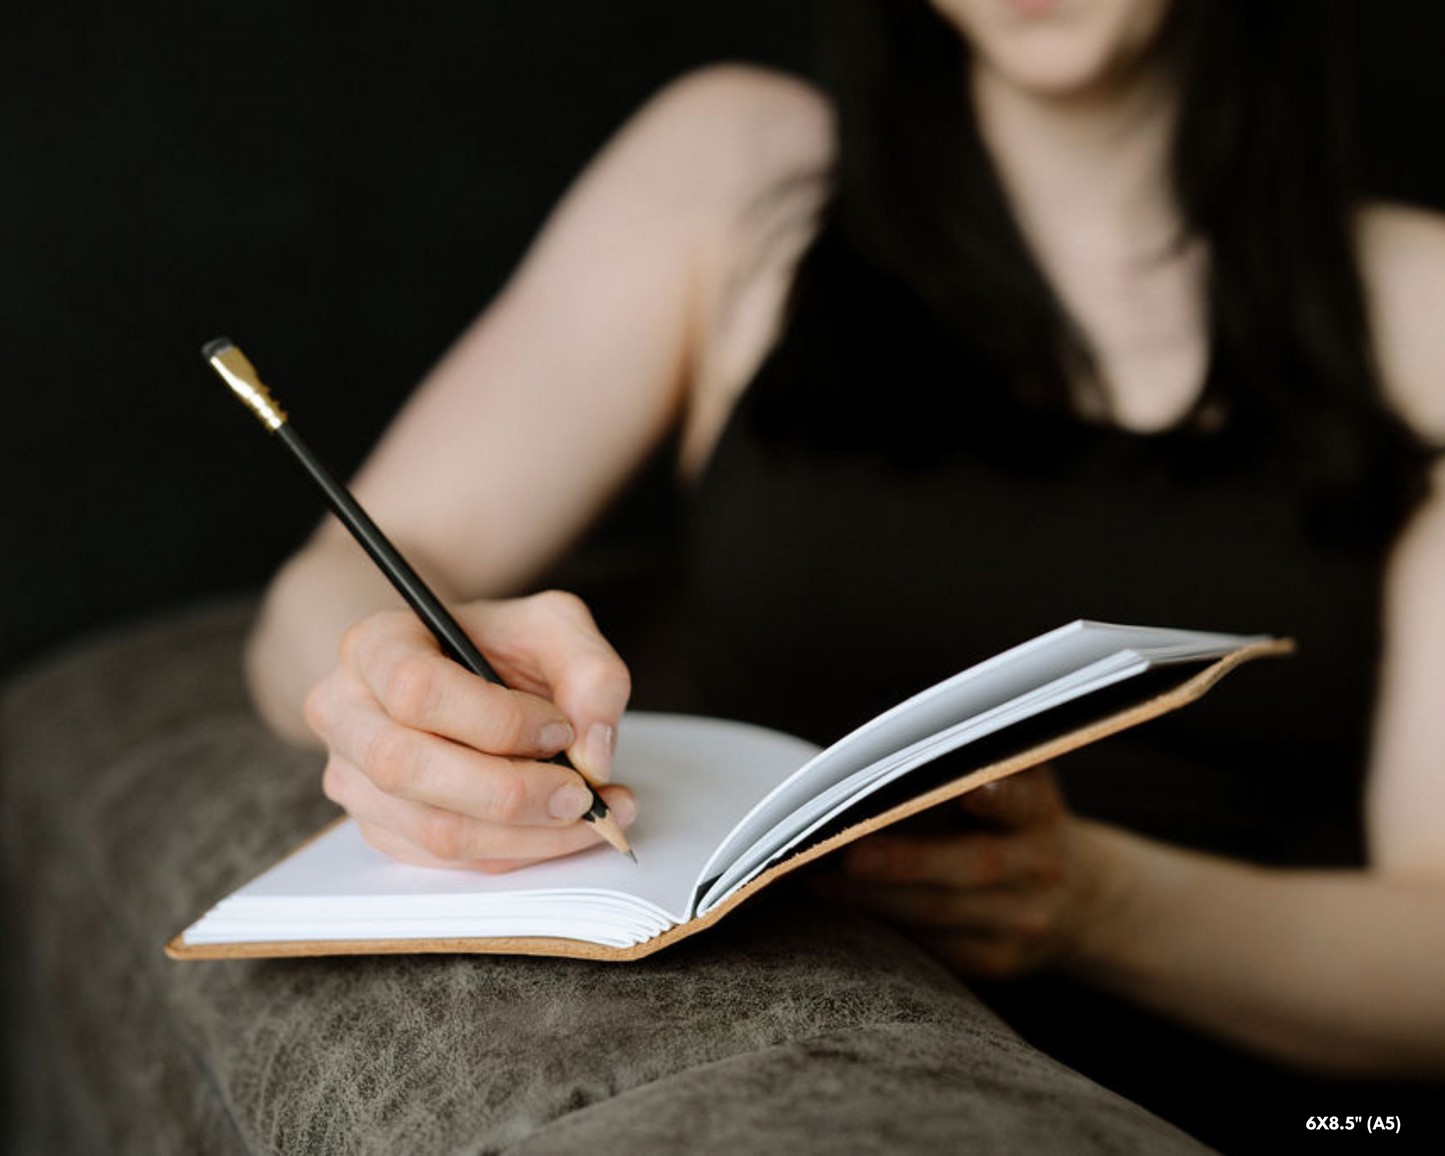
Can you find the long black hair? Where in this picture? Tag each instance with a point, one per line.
(1262, 173)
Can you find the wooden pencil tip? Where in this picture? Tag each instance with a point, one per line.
(607, 827)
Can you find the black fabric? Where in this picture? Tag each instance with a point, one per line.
(832, 574)
(833, 578)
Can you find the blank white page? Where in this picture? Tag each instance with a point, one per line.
(989, 685)
(695, 779)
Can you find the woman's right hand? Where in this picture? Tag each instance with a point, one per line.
(439, 766)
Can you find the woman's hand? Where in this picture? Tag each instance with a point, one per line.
(1008, 892)
(439, 767)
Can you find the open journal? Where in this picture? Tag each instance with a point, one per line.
(725, 808)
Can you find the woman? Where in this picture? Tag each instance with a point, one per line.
(1067, 311)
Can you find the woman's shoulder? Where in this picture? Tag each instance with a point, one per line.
(1402, 259)
(686, 166)
(735, 130)
(730, 90)
(753, 147)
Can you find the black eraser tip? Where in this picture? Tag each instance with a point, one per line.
(215, 348)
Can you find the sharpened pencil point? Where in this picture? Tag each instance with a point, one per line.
(601, 817)
(606, 826)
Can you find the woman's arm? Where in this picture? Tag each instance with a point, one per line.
(527, 424)
(1340, 970)
(525, 429)
(545, 406)
(1337, 970)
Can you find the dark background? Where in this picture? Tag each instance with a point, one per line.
(340, 188)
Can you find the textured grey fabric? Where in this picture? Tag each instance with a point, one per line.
(138, 790)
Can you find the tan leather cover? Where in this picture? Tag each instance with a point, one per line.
(1185, 692)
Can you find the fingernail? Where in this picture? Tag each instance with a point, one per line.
(623, 808)
(556, 736)
(569, 802)
(597, 751)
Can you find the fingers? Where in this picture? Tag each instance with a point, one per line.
(419, 687)
(568, 686)
(550, 645)
(974, 859)
(438, 764)
(431, 836)
(1027, 912)
(991, 901)
(424, 768)
(1020, 800)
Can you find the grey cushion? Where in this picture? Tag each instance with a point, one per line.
(139, 789)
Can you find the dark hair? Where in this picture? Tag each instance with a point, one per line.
(1262, 173)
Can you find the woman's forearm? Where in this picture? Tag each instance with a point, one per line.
(1339, 970)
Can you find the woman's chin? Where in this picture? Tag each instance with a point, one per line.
(1057, 49)
(1058, 75)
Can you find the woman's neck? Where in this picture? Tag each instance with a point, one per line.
(1088, 178)
(1093, 164)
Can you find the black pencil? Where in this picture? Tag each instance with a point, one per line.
(238, 372)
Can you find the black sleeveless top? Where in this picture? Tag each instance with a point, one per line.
(829, 577)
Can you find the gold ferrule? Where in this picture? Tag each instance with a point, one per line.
(238, 372)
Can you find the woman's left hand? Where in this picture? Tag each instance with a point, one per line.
(1007, 893)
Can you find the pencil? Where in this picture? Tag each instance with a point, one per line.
(238, 373)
